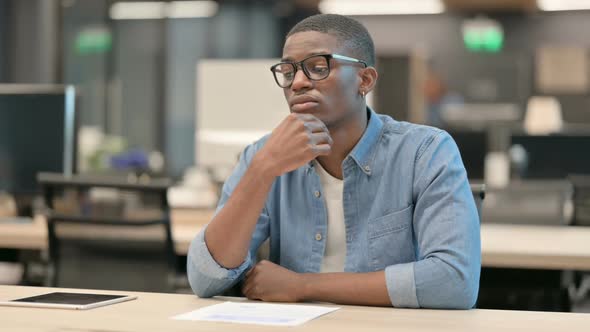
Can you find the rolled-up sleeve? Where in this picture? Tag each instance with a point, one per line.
(446, 229)
(206, 276)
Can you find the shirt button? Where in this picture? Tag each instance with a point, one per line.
(318, 237)
(367, 168)
(317, 194)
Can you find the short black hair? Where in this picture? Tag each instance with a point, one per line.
(350, 32)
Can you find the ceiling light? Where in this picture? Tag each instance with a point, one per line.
(558, 5)
(160, 9)
(381, 7)
(192, 9)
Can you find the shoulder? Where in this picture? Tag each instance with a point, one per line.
(415, 136)
(407, 129)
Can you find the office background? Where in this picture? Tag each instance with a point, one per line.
(510, 80)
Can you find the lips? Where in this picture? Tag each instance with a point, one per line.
(301, 104)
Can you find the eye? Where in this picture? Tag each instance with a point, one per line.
(319, 69)
(285, 70)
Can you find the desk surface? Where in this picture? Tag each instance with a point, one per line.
(535, 247)
(515, 246)
(152, 312)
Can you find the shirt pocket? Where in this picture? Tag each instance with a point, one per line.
(390, 239)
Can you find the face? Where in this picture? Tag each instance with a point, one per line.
(333, 100)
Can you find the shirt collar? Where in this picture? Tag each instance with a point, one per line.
(363, 152)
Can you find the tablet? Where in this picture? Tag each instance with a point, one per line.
(62, 300)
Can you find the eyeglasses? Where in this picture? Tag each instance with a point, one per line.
(315, 67)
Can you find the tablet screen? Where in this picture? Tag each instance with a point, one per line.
(69, 298)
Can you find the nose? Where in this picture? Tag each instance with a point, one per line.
(300, 81)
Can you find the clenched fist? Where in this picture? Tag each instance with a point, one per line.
(268, 281)
(297, 140)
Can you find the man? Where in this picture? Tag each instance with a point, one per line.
(359, 208)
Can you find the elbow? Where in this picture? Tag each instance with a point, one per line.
(201, 292)
(200, 284)
(195, 280)
(208, 279)
(463, 297)
(451, 289)
(459, 296)
(459, 282)
(462, 292)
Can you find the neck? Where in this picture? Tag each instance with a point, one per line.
(345, 135)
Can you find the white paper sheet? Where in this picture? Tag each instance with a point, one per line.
(257, 313)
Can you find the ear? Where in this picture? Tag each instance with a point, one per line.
(368, 78)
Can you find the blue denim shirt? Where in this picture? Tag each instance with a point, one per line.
(408, 210)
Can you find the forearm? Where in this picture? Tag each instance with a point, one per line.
(346, 288)
(229, 234)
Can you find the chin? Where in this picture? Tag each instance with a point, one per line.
(311, 110)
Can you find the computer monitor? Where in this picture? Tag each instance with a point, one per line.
(37, 134)
(554, 156)
(473, 146)
(238, 102)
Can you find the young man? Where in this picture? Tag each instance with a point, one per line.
(359, 208)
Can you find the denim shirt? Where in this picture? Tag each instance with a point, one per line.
(408, 210)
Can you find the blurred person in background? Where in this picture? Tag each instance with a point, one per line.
(438, 97)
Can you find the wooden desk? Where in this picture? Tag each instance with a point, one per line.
(152, 312)
(512, 246)
(24, 235)
(185, 226)
(535, 247)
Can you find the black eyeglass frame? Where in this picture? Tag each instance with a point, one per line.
(297, 65)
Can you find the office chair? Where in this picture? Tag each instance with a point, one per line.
(530, 202)
(90, 248)
(580, 287)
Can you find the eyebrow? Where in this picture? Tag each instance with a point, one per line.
(289, 59)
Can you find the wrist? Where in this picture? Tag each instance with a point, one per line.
(304, 287)
(264, 166)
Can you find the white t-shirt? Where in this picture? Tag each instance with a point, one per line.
(335, 253)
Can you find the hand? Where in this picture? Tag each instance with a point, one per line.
(268, 281)
(297, 140)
